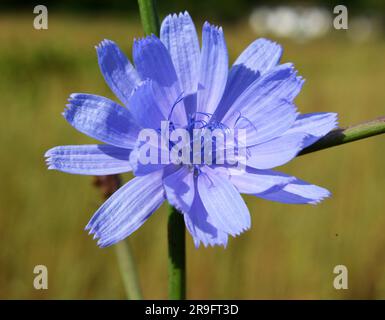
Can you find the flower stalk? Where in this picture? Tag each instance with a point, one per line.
(176, 255)
(128, 270)
(149, 17)
(344, 135)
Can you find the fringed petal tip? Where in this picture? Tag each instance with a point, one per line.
(68, 111)
(262, 55)
(238, 233)
(180, 15)
(300, 79)
(332, 118)
(263, 40)
(335, 121)
(76, 100)
(210, 244)
(96, 236)
(322, 197)
(73, 96)
(289, 68)
(220, 241)
(49, 153)
(82, 96)
(103, 44)
(144, 41)
(103, 242)
(207, 26)
(50, 163)
(49, 158)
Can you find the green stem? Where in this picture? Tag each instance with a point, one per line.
(176, 255)
(128, 270)
(176, 226)
(344, 135)
(149, 17)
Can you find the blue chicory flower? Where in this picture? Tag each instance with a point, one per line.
(175, 70)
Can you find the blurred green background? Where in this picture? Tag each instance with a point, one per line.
(290, 251)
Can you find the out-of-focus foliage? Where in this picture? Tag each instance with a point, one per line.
(205, 9)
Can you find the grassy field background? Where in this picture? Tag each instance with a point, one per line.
(290, 251)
